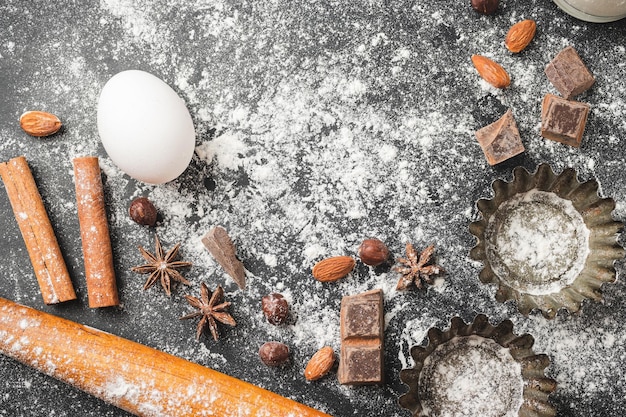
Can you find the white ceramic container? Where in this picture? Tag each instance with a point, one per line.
(598, 11)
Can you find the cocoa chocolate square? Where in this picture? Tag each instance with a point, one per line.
(563, 120)
(568, 73)
(361, 358)
(500, 140)
(361, 365)
(361, 319)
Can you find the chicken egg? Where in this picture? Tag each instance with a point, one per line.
(145, 127)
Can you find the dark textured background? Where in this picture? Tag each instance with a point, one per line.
(56, 56)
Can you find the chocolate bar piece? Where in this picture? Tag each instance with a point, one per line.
(568, 73)
(500, 140)
(563, 120)
(361, 361)
(219, 244)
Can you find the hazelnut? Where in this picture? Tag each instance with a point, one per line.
(274, 353)
(485, 6)
(143, 212)
(275, 308)
(373, 252)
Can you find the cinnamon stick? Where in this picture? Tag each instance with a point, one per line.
(41, 243)
(94, 233)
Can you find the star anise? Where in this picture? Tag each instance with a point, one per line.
(415, 269)
(161, 267)
(211, 307)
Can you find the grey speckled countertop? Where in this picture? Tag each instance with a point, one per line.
(319, 123)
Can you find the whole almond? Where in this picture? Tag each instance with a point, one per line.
(332, 269)
(520, 35)
(491, 71)
(320, 364)
(39, 123)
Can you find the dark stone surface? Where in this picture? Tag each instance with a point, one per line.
(320, 94)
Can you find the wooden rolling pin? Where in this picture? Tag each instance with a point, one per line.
(134, 377)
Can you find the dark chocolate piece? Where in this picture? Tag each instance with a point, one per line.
(219, 244)
(361, 360)
(500, 140)
(563, 120)
(568, 73)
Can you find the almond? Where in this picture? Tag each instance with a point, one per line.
(39, 123)
(491, 71)
(332, 269)
(520, 35)
(320, 364)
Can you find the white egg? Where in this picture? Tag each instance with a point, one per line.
(145, 127)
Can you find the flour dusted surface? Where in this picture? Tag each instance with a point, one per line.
(319, 124)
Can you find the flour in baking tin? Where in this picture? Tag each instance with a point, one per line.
(537, 242)
(471, 376)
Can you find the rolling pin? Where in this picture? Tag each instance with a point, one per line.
(131, 376)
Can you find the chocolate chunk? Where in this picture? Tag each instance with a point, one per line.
(563, 120)
(500, 140)
(568, 73)
(361, 365)
(219, 244)
(361, 360)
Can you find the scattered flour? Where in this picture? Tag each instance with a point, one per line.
(318, 125)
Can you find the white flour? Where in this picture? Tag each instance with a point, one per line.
(312, 136)
(538, 242)
(471, 376)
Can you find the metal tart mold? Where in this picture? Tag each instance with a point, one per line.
(477, 369)
(547, 241)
